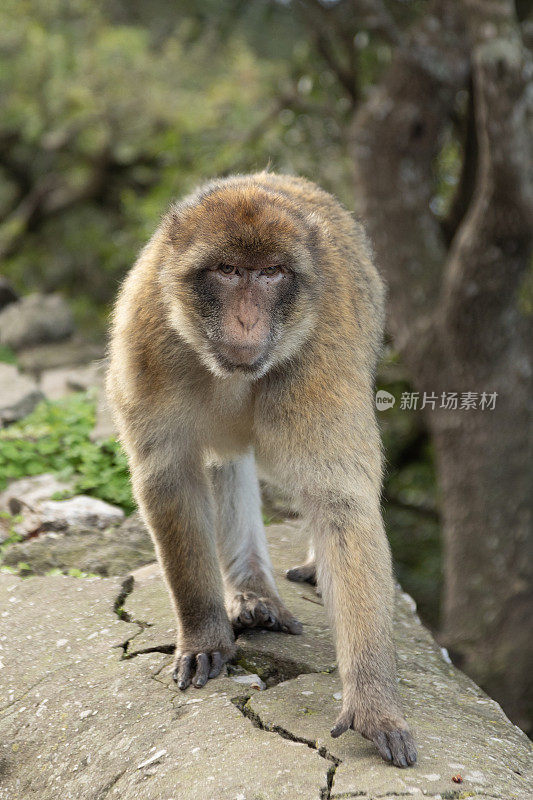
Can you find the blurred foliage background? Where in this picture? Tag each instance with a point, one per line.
(111, 109)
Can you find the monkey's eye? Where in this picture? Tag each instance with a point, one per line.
(226, 269)
(271, 270)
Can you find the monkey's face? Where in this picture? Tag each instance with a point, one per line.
(242, 282)
(244, 305)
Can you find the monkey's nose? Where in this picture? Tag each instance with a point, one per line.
(248, 323)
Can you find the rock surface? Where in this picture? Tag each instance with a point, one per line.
(87, 714)
(60, 381)
(29, 493)
(24, 498)
(19, 394)
(31, 499)
(35, 319)
(73, 352)
(112, 551)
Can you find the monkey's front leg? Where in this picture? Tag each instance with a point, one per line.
(178, 508)
(354, 573)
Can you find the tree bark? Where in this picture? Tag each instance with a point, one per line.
(457, 319)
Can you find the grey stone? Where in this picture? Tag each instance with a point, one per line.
(80, 723)
(459, 730)
(61, 381)
(112, 551)
(35, 319)
(82, 510)
(24, 498)
(251, 680)
(73, 352)
(29, 498)
(88, 716)
(19, 394)
(29, 493)
(48, 624)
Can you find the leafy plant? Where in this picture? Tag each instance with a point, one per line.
(55, 438)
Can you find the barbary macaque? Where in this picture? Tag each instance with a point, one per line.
(247, 333)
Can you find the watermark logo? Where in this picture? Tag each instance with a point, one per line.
(449, 401)
(384, 400)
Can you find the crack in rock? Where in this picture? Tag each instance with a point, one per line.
(118, 608)
(241, 702)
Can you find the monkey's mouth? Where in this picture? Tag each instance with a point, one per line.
(240, 359)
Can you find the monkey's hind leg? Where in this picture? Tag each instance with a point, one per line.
(252, 599)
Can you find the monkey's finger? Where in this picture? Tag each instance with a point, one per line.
(342, 724)
(217, 663)
(380, 740)
(202, 670)
(183, 671)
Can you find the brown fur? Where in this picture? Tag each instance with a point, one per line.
(189, 427)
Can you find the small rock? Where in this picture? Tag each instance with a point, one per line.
(18, 394)
(35, 319)
(113, 551)
(7, 294)
(71, 353)
(156, 757)
(56, 383)
(30, 498)
(29, 493)
(79, 511)
(251, 680)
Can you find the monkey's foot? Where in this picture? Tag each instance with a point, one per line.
(306, 573)
(197, 668)
(202, 653)
(393, 740)
(248, 610)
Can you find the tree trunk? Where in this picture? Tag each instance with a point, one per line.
(457, 319)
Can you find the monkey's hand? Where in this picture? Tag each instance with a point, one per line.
(248, 610)
(201, 654)
(389, 732)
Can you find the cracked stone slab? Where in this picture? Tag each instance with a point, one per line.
(82, 722)
(106, 728)
(262, 652)
(49, 623)
(459, 730)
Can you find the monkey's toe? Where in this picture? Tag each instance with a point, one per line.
(396, 746)
(248, 610)
(197, 668)
(306, 573)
